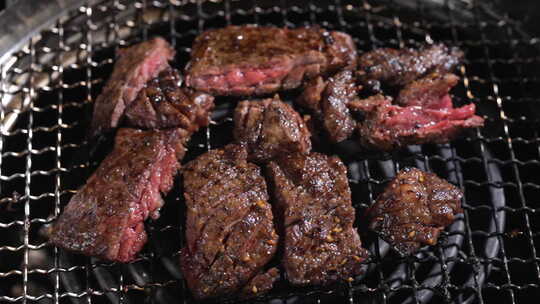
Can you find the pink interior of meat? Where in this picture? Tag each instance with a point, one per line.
(161, 179)
(150, 68)
(439, 113)
(243, 77)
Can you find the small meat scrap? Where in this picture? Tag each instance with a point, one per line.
(399, 67)
(247, 60)
(313, 203)
(328, 101)
(229, 227)
(427, 92)
(387, 126)
(269, 128)
(134, 67)
(105, 218)
(163, 104)
(414, 208)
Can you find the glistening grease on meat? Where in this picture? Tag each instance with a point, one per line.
(246, 60)
(313, 203)
(229, 228)
(270, 128)
(414, 208)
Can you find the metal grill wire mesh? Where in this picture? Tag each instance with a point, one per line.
(490, 254)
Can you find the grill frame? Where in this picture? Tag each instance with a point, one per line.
(97, 276)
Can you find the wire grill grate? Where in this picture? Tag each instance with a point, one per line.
(490, 254)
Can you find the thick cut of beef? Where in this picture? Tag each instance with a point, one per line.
(134, 66)
(163, 104)
(261, 283)
(388, 126)
(105, 218)
(314, 206)
(270, 127)
(328, 100)
(399, 67)
(427, 92)
(229, 227)
(246, 60)
(414, 208)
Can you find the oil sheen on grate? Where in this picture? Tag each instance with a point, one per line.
(488, 255)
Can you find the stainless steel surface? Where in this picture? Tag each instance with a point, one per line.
(55, 63)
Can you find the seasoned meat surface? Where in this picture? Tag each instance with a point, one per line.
(105, 218)
(428, 91)
(246, 60)
(414, 208)
(313, 203)
(134, 66)
(163, 104)
(269, 128)
(229, 227)
(388, 126)
(328, 100)
(261, 283)
(399, 67)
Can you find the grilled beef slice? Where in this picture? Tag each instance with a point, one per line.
(134, 66)
(105, 218)
(269, 128)
(428, 91)
(328, 100)
(246, 60)
(387, 126)
(399, 67)
(414, 208)
(314, 206)
(163, 104)
(229, 227)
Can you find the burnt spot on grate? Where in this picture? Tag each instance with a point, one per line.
(489, 254)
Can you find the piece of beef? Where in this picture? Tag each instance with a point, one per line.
(414, 208)
(269, 128)
(247, 60)
(399, 67)
(313, 203)
(105, 218)
(163, 104)
(388, 126)
(134, 66)
(328, 100)
(229, 228)
(428, 91)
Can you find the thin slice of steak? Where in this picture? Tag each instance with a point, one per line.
(387, 126)
(313, 203)
(246, 60)
(328, 101)
(134, 66)
(229, 227)
(399, 67)
(162, 103)
(105, 218)
(269, 128)
(414, 208)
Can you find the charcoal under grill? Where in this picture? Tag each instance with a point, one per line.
(51, 74)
